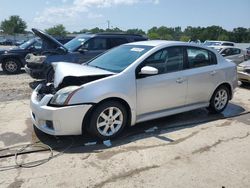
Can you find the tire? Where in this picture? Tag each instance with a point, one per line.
(219, 100)
(104, 125)
(11, 66)
(50, 76)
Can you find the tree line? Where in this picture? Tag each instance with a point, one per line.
(15, 25)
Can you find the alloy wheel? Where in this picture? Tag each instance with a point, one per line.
(220, 99)
(110, 121)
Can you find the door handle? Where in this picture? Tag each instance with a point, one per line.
(213, 72)
(180, 80)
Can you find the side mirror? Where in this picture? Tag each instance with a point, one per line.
(223, 55)
(148, 70)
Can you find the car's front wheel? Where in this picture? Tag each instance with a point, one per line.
(219, 100)
(108, 120)
(11, 66)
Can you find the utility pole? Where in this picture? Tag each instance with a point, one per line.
(108, 21)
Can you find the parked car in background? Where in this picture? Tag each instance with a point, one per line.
(79, 50)
(218, 43)
(6, 42)
(132, 83)
(244, 72)
(195, 41)
(248, 53)
(19, 42)
(14, 58)
(234, 54)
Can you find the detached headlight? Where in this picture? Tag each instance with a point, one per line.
(63, 96)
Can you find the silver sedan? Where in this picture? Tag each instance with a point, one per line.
(132, 83)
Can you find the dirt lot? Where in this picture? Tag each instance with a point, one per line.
(193, 149)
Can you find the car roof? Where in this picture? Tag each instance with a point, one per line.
(219, 41)
(90, 35)
(224, 47)
(155, 43)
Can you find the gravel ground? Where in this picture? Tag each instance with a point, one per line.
(15, 87)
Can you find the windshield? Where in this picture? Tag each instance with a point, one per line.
(119, 58)
(75, 43)
(27, 44)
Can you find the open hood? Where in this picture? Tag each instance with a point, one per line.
(67, 74)
(49, 41)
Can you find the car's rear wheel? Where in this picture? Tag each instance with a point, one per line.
(108, 120)
(219, 100)
(11, 66)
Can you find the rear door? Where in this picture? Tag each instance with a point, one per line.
(202, 75)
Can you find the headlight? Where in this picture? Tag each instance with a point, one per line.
(63, 95)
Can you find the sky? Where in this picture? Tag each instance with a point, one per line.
(144, 14)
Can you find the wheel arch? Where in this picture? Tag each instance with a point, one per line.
(86, 118)
(228, 86)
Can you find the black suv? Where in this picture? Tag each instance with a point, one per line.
(13, 59)
(79, 50)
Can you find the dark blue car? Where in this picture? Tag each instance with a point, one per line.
(79, 50)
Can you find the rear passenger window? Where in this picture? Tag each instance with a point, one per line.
(166, 60)
(113, 42)
(198, 57)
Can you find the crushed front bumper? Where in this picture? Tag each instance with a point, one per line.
(66, 120)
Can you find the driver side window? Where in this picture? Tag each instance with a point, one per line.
(96, 44)
(166, 60)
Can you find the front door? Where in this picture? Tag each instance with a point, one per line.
(165, 90)
(92, 48)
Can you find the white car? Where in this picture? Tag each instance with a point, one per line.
(244, 72)
(234, 54)
(218, 43)
(132, 83)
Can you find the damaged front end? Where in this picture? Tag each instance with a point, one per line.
(68, 79)
(68, 74)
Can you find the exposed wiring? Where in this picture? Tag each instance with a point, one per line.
(21, 151)
(33, 163)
